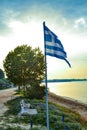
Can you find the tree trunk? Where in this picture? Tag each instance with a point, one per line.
(19, 88)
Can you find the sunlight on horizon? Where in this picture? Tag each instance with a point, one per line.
(70, 90)
(31, 33)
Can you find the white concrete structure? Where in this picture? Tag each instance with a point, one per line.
(25, 109)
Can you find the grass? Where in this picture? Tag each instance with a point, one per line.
(59, 117)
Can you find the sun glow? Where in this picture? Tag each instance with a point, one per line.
(30, 33)
(21, 33)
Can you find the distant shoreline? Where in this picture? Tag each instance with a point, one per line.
(64, 80)
(74, 105)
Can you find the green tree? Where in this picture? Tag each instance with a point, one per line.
(1, 74)
(25, 66)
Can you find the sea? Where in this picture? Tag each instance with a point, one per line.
(73, 90)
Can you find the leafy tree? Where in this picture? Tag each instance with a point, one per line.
(25, 66)
(1, 74)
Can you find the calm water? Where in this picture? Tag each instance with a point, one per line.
(75, 90)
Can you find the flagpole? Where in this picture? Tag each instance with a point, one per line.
(47, 112)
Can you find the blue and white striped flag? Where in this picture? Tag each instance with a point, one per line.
(53, 46)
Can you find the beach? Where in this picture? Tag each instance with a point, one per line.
(71, 104)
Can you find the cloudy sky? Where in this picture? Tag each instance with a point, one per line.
(21, 22)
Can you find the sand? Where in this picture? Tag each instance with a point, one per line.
(73, 105)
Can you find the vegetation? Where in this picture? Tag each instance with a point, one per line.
(65, 80)
(25, 67)
(4, 83)
(1, 74)
(35, 92)
(59, 117)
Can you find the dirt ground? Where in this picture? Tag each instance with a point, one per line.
(5, 95)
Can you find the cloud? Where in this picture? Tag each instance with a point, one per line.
(26, 12)
(6, 15)
(11, 10)
(56, 13)
(80, 23)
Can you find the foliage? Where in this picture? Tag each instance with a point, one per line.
(1, 74)
(24, 66)
(14, 106)
(35, 92)
(4, 83)
(18, 128)
(55, 115)
(15, 128)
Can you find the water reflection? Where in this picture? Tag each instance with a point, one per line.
(75, 90)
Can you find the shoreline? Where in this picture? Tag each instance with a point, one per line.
(74, 105)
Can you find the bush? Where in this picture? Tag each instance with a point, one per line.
(14, 106)
(15, 128)
(55, 116)
(36, 92)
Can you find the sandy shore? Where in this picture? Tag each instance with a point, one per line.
(74, 105)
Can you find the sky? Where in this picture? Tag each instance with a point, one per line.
(21, 22)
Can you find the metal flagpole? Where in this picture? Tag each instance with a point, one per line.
(47, 112)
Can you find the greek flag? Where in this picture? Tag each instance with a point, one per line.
(53, 46)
